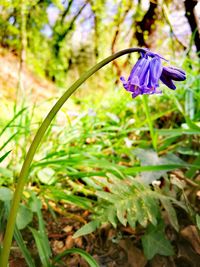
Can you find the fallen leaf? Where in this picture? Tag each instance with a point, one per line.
(135, 255)
(58, 246)
(69, 242)
(78, 242)
(68, 229)
(191, 234)
(186, 256)
(162, 261)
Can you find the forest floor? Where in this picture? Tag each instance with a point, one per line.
(110, 247)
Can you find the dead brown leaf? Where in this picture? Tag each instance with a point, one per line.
(190, 233)
(186, 256)
(135, 255)
(161, 261)
(68, 228)
(69, 242)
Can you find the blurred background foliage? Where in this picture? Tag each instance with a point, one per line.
(57, 38)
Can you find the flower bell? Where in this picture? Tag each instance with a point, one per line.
(172, 73)
(146, 73)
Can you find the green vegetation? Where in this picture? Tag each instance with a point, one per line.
(111, 167)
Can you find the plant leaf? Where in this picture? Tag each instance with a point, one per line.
(5, 155)
(44, 256)
(5, 194)
(18, 237)
(198, 221)
(47, 176)
(154, 242)
(150, 157)
(87, 229)
(170, 212)
(90, 260)
(24, 217)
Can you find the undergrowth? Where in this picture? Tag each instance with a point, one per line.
(100, 157)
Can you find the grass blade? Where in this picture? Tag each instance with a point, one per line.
(5, 155)
(87, 257)
(12, 120)
(44, 255)
(23, 248)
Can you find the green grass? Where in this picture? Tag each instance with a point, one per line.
(98, 138)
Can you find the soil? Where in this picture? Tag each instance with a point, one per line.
(110, 247)
(34, 87)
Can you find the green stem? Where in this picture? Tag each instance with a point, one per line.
(34, 145)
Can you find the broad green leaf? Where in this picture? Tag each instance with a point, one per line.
(47, 176)
(154, 242)
(24, 217)
(150, 157)
(35, 204)
(87, 229)
(5, 194)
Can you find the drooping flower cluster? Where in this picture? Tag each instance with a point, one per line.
(146, 73)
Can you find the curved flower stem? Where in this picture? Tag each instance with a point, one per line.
(36, 141)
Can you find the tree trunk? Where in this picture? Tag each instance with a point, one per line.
(190, 15)
(144, 26)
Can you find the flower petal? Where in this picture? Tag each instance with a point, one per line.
(135, 68)
(136, 92)
(167, 81)
(174, 73)
(125, 83)
(155, 72)
(139, 71)
(151, 54)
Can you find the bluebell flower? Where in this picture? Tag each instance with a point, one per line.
(146, 73)
(172, 73)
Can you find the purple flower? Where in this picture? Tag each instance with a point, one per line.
(145, 75)
(172, 73)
